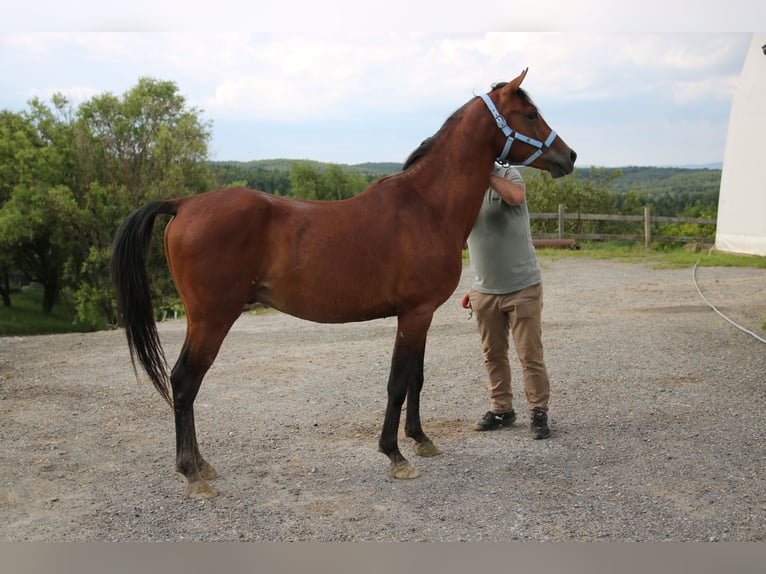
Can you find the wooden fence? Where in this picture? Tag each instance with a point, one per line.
(647, 218)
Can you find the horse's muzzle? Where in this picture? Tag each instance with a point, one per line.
(561, 166)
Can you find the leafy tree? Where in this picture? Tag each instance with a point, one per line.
(69, 177)
(338, 184)
(331, 183)
(305, 181)
(147, 144)
(16, 138)
(39, 213)
(588, 194)
(37, 223)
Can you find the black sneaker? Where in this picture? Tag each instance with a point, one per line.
(492, 420)
(539, 427)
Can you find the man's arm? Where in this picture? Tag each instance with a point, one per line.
(510, 192)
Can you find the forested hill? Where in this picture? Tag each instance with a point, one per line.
(659, 180)
(272, 175)
(284, 164)
(375, 169)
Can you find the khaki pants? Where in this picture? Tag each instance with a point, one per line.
(521, 314)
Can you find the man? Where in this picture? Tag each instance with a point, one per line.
(507, 295)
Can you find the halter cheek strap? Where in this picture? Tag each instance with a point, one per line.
(512, 135)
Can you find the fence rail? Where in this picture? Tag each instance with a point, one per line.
(647, 218)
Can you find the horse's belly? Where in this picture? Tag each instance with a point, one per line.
(325, 305)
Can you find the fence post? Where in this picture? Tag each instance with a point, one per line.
(648, 226)
(561, 221)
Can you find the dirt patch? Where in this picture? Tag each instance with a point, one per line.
(658, 417)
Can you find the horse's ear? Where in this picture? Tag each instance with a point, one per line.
(513, 85)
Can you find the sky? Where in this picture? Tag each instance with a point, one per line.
(364, 91)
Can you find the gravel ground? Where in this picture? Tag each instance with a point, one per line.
(658, 415)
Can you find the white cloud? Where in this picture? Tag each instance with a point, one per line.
(305, 74)
(716, 88)
(385, 82)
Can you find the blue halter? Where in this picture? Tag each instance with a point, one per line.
(512, 135)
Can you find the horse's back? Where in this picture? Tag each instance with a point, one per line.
(221, 204)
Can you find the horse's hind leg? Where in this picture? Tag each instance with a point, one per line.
(186, 380)
(200, 349)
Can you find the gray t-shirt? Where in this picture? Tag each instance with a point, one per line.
(500, 244)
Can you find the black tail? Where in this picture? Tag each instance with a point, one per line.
(134, 302)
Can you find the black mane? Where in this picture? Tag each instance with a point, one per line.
(418, 154)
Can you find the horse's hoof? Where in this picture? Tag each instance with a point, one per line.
(200, 490)
(207, 471)
(426, 448)
(403, 470)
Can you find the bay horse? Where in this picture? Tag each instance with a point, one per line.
(393, 250)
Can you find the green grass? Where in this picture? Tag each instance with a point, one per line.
(25, 316)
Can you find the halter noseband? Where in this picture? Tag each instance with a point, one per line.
(512, 135)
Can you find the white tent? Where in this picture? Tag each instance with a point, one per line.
(741, 224)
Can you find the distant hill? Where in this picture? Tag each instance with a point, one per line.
(379, 167)
(283, 164)
(272, 175)
(672, 180)
(717, 165)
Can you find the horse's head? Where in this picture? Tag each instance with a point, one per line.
(526, 139)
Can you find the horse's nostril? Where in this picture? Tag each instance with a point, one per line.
(573, 155)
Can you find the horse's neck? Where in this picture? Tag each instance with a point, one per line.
(454, 174)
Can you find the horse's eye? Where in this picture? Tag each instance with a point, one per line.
(532, 116)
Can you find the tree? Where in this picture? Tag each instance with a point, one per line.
(343, 184)
(331, 183)
(38, 212)
(588, 193)
(146, 145)
(305, 181)
(69, 177)
(16, 137)
(37, 223)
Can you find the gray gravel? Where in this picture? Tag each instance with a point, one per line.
(658, 416)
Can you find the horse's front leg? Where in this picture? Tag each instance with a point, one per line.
(423, 446)
(406, 376)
